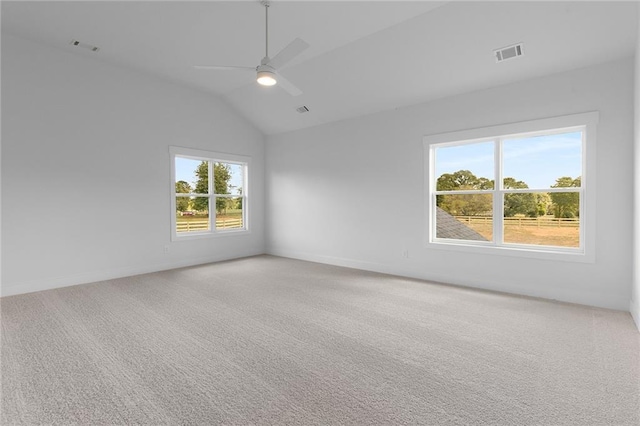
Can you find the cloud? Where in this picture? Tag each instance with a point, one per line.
(539, 160)
(541, 144)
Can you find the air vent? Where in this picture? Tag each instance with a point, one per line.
(302, 109)
(509, 52)
(84, 45)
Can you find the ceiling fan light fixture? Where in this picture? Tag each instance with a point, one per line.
(266, 71)
(266, 78)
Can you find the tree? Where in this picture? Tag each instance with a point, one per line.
(221, 177)
(182, 203)
(484, 183)
(543, 203)
(239, 205)
(464, 204)
(462, 178)
(202, 187)
(520, 203)
(566, 204)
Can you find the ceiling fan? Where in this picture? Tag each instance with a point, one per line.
(267, 71)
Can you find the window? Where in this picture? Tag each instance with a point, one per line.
(522, 189)
(208, 193)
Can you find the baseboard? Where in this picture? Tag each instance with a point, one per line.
(332, 260)
(634, 308)
(360, 264)
(110, 274)
(380, 268)
(406, 271)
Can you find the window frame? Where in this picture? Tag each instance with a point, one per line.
(586, 122)
(211, 158)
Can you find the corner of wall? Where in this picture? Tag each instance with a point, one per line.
(634, 306)
(108, 110)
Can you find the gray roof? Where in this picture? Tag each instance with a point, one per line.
(448, 226)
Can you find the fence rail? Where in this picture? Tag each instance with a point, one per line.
(537, 222)
(203, 225)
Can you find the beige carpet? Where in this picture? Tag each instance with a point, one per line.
(267, 340)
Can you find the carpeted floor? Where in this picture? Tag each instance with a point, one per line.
(267, 340)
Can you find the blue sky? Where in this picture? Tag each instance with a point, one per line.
(538, 161)
(185, 168)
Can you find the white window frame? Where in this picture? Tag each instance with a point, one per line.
(586, 122)
(211, 157)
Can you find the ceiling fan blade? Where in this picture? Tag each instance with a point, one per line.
(292, 50)
(288, 86)
(223, 68)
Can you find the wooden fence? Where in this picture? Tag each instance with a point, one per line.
(203, 225)
(538, 222)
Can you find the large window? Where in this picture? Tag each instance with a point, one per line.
(521, 188)
(209, 193)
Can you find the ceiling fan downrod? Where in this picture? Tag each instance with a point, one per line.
(266, 73)
(266, 5)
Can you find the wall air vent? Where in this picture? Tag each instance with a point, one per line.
(84, 45)
(509, 52)
(302, 109)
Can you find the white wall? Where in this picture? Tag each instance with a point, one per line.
(635, 299)
(86, 174)
(351, 193)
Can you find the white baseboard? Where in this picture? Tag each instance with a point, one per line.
(409, 272)
(109, 274)
(376, 267)
(362, 265)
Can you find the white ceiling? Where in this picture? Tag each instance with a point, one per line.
(365, 56)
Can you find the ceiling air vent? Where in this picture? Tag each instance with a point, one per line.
(509, 52)
(84, 45)
(302, 109)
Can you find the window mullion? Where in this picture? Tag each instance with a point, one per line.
(464, 192)
(212, 198)
(498, 196)
(433, 197)
(244, 196)
(582, 210)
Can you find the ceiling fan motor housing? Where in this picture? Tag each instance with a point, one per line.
(266, 75)
(266, 71)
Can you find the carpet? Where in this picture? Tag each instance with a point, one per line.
(275, 341)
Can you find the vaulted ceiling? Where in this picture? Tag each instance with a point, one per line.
(365, 56)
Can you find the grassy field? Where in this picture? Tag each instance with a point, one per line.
(548, 236)
(233, 217)
(199, 218)
(544, 235)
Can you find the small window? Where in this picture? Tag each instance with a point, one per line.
(209, 193)
(519, 188)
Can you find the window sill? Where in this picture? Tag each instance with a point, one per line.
(568, 255)
(202, 235)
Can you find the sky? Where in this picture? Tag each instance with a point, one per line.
(185, 168)
(538, 161)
